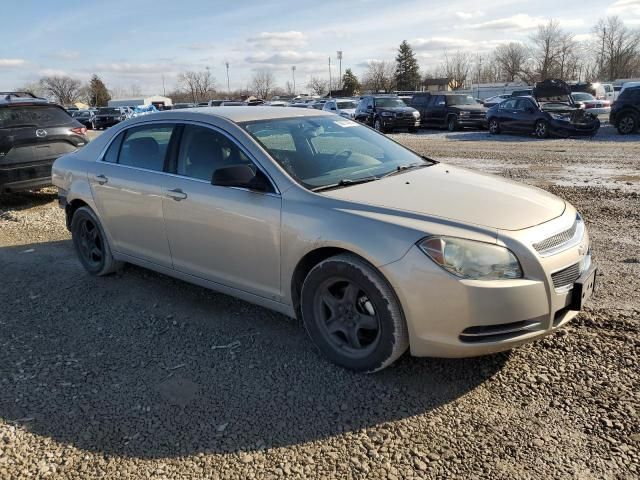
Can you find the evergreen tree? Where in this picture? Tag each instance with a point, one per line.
(407, 70)
(350, 84)
(98, 93)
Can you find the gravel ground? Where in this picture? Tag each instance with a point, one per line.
(142, 376)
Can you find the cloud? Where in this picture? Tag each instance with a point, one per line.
(520, 21)
(288, 39)
(583, 37)
(52, 72)
(469, 15)
(199, 46)
(136, 68)
(12, 62)
(629, 10)
(67, 55)
(288, 57)
(441, 43)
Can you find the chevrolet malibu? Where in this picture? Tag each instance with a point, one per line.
(375, 248)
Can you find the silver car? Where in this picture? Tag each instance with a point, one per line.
(375, 248)
(345, 107)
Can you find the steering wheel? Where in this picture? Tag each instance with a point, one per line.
(339, 158)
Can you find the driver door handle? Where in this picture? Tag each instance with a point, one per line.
(176, 194)
(101, 179)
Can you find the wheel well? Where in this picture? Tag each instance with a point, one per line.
(303, 268)
(71, 208)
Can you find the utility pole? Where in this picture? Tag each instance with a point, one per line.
(329, 77)
(226, 64)
(339, 52)
(604, 34)
(293, 74)
(164, 92)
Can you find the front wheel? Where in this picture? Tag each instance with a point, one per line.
(542, 129)
(494, 126)
(377, 125)
(627, 124)
(91, 243)
(452, 123)
(352, 314)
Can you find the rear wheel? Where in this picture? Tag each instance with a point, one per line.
(352, 314)
(494, 126)
(542, 129)
(627, 124)
(91, 243)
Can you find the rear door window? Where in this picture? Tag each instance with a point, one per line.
(146, 146)
(37, 115)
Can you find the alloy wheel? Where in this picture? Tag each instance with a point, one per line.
(346, 317)
(91, 246)
(626, 125)
(541, 129)
(377, 125)
(493, 126)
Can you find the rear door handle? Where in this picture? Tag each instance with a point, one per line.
(101, 179)
(176, 194)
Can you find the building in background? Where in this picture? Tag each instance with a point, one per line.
(157, 101)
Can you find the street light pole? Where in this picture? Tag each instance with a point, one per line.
(329, 77)
(339, 52)
(226, 64)
(293, 73)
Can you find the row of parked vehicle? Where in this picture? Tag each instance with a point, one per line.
(550, 108)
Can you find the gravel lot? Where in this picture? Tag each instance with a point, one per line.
(141, 376)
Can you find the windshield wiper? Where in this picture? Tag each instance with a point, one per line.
(405, 168)
(345, 182)
(21, 125)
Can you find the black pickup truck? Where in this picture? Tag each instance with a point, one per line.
(33, 133)
(449, 110)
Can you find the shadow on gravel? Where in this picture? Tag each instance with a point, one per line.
(27, 198)
(142, 365)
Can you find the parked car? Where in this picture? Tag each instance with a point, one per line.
(233, 104)
(85, 117)
(108, 117)
(523, 92)
(628, 85)
(449, 110)
(318, 104)
(33, 133)
(589, 103)
(495, 100)
(214, 103)
(550, 111)
(178, 106)
(345, 107)
(372, 246)
(386, 113)
(625, 113)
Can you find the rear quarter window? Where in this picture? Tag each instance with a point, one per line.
(38, 115)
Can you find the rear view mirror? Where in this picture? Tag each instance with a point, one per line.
(240, 176)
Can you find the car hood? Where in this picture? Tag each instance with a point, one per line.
(396, 109)
(458, 194)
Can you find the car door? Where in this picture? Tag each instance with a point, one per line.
(227, 235)
(525, 115)
(507, 114)
(439, 110)
(127, 187)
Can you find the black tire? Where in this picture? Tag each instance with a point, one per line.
(494, 126)
(452, 123)
(377, 125)
(627, 123)
(541, 129)
(352, 314)
(91, 243)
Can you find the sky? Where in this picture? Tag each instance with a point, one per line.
(141, 42)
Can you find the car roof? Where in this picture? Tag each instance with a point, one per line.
(239, 114)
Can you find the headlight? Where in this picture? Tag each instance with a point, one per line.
(465, 114)
(387, 114)
(416, 114)
(560, 117)
(471, 259)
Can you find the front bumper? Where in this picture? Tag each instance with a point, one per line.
(392, 122)
(25, 176)
(452, 317)
(472, 122)
(566, 129)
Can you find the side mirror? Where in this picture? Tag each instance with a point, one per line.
(240, 176)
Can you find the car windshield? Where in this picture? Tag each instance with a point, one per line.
(581, 97)
(389, 102)
(80, 114)
(322, 151)
(460, 100)
(346, 104)
(35, 115)
(109, 111)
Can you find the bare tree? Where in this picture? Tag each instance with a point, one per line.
(456, 68)
(618, 49)
(200, 86)
(379, 76)
(545, 50)
(64, 90)
(288, 88)
(262, 83)
(511, 58)
(318, 86)
(32, 87)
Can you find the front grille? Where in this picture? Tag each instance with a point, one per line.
(556, 240)
(566, 277)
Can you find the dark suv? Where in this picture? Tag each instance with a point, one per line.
(385, 113)
(33, 133)
(450, 110)
(108, 117)
(625, 112)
